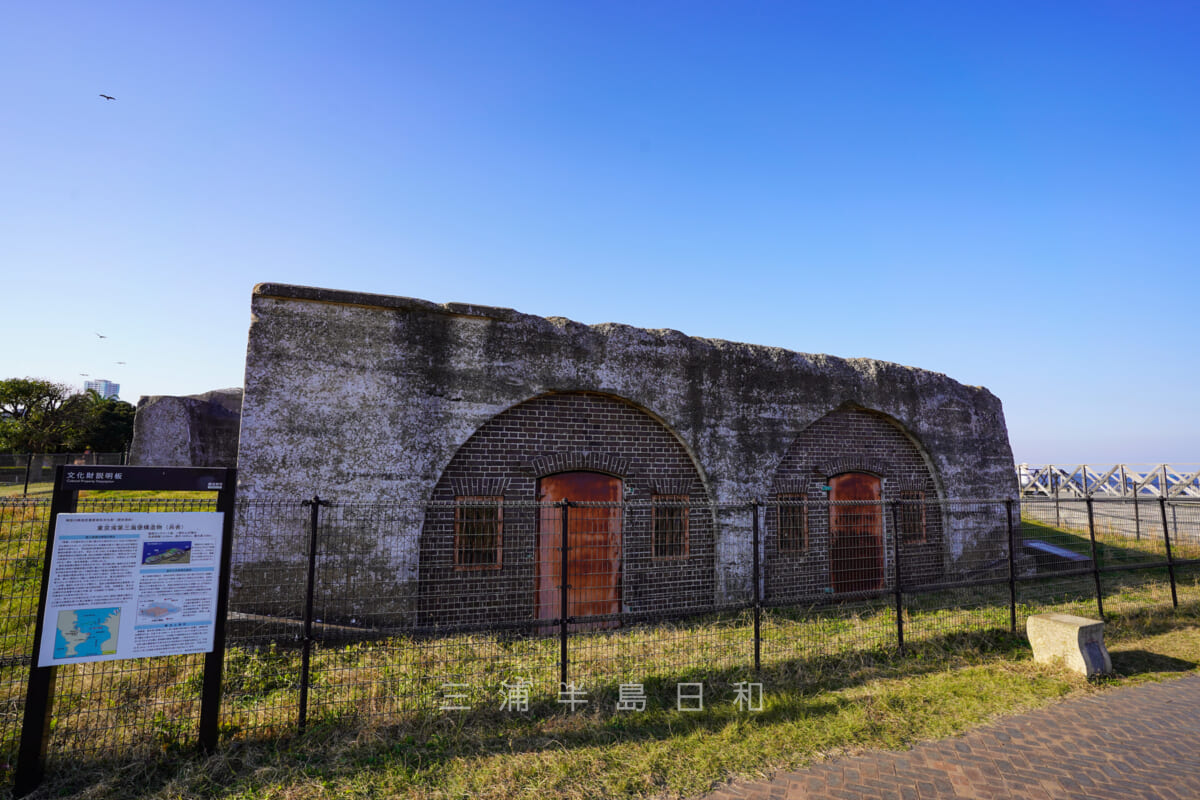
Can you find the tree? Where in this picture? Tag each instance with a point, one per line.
(39, 416)
(104, 425)
(35, 416)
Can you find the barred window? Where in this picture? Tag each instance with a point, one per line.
(670, 526)
(478, 532)
(911, 512)
(792, 523)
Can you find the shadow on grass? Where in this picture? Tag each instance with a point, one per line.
(1131, 663)
(1111, 548)
(1151, 621)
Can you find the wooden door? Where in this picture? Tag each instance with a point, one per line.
(593, 547)
(856, 533)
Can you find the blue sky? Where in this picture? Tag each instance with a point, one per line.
(1004, 192)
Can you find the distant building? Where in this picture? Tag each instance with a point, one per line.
(106, 389)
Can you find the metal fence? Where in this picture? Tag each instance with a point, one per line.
(385, 614)
(35, 471)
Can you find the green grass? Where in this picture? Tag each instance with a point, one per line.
(814, 708)
(1111, 548)
(832, 678)
(43, 491)
(17, 490)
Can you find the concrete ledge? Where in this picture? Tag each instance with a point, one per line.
(1076, 642)
(1053, 557)
(367, 300)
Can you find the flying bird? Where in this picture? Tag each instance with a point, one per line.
(83, 375)
(120, 362)
(101, 335)
(108, 96)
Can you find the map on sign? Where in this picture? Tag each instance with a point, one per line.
(131, 584)
(87, 632)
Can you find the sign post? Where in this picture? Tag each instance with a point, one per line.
(127, 584)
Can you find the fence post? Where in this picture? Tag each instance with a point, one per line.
(1057, 516)
(1137, 517)
(757, 593)
(1095, 559)
(39, 691)
(314, 512)
(1162, 508)
(28, 469)
(214, 660)
(564, 585)
(1012, 572)
(896, 579)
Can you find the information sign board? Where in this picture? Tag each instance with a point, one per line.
(131, 585)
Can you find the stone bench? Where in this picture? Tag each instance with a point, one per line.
(1077, 641)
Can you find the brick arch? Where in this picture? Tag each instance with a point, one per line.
(548, 434)
(915, 480)
(577, 455)
(848, 439)
(854, 438)
(577, 461)
(854, 463)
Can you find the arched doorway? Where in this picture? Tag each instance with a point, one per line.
(481, 550)
(811, 550)
(593, 546)
(856, 532)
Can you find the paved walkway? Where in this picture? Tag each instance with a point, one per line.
(1140, 742)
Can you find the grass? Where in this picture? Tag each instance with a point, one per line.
(43, 491)
(17, 490)
(815, 708)
(1112, 548)
(832, 683)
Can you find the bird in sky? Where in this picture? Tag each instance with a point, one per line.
(83, 375)
(107, 96)
(101, 335)
(120, 362)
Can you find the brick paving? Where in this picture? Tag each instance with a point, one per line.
(1140, 742)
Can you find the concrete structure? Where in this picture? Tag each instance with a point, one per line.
(1076, 642)
(192, 431)
(423, 402)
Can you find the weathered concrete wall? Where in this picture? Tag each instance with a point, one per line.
(191, 431)
(367, 398)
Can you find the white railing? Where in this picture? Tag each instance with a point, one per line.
(1119, 480)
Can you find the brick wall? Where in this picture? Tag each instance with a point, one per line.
(851, 440)
(560, 433)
